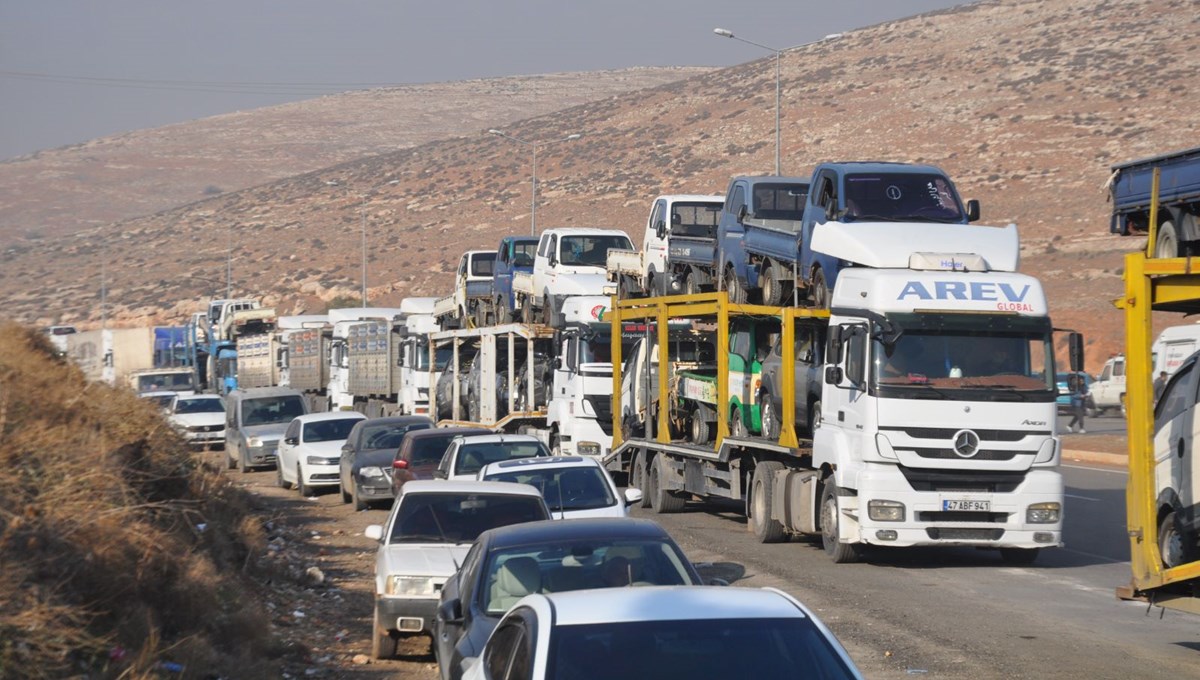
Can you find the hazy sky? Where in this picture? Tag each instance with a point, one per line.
(73, 70)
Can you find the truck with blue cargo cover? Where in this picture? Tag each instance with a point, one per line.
(1131, 185)
(515, 254)
(767, 223)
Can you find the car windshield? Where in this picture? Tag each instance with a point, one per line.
(482, 264)
(779, 201)
(472, 457)
(582, 564)
(592, 250)
(564, 488)
(711, 649)
(388, 436)
(272, 410)
(901, 197)
(199, 406)
(164, 381)
(460, 517)
(329, 430)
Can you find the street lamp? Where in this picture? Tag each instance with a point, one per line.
(362, 211)
(533, 190)
(726, 33)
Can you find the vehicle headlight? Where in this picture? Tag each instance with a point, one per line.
(1043, 513)
(318, 460)
(254, 442)
(372, 472)
(588, 448)
(885, 511)
(410, 585)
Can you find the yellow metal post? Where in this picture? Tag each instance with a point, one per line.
(664, 346)
(1152, 227)
(1139, 492)
(618, 327)
(723, 412)
(787, 412)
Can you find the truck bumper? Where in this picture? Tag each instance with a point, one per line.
(406, 614)
(927, 520)
(585, 439)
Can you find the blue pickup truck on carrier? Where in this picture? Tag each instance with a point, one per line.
(1178, 232)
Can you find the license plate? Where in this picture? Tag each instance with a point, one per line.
(969, 506)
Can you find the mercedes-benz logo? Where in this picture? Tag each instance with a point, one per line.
(966, 443)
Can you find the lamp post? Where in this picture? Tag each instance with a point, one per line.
(779, 53)
(533, 190)
(362, 211)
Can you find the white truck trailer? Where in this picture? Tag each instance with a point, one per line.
(937, 418)
(338, 392)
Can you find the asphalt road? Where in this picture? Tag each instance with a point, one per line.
(1108, 424)
(963, 613)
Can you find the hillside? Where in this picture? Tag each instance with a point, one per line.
(1025, 103)
(60, 191)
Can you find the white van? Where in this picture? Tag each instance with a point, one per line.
(1168, 352)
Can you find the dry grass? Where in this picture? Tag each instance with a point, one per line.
(117, 551)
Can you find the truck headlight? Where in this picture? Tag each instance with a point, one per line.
(372, 473)
(1043, 513)
(411, 586)
(885, 511)
(587, 448)
(254, 442)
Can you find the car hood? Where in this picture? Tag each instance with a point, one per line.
(198, 419)
(581, 281)
(332, 449)
(615, 510)
(272, 431)
(424, 559)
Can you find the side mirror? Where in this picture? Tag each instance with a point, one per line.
(291, 441)
(374, 532)
(633, 496)
(972, 210)
(450, 612)
(1075, 351)
(438, 474)
(833, 375)
(661, 229)
(835, 343)
(399, 464)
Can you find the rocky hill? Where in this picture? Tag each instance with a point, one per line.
(1026, 103)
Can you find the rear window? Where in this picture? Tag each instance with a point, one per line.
(472, 457)
(388, 436)
(483, 264)
(429, 450)
(460, 517)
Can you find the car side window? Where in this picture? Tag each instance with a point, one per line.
(466, 575)
(544, 245)
(1176, 397)
(656, 216)
(738, 200)
(500, 649)
(1118, 368)
(1106, 373)
(293, 430)
(444, 465)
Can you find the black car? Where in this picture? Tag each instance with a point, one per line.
(511, 562)
(365, 471)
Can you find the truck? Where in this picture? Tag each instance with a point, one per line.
(1173, 180)
(118, 355)
(470, 302)
(678, 249)
(937, 410)
(568, 262)
(338, 395)
(418, 371)
(491, 356)
(514, 255)
(765, 234)
(308, 364)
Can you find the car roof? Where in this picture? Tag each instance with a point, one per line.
(331, 415)
(496, 438)
(205, 397)
(467, 486)
(586, 231)
(396, 420)
(257, 392)
(557, 530)
(446, 432)
(538, 463)
(159, 393)
(670, 603)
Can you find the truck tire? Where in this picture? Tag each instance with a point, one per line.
(772, 285)
(482, 319)
(1017, 556)
(526, 312)
(737, 425)
(762, 491)
(814, 417)
(625, 289)
(691, 286)
(662, 500)
(737, 294)
(841, 553)
(818, 291)
(700, 432)
(1167, 242)
(548, 310)
(772, 427)
(1173, 544)
(640, 480)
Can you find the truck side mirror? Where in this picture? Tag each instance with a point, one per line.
(661, 229)
(972, 210)
(833, 375)
(835, 344)
(1075, 351)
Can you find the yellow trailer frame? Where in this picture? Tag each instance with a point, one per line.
(708, 307)
(1151, 284)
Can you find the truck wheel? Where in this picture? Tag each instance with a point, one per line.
(304, 489)
(639, 474)
(1123, 413)
(771, 426)
(690, 285)
(503, 315)
(1167, 243)
(818, 291)
(842, 553)
(1173, 543)
(772, 285)
(737, 426)
(814, 417)
(481, 315)
(762, 490)
(700, 433)
(547, 311)
(1019, 555)
(383, 646)
(526, 312)
(660, 499)
(555, 445)
(625, 290)
(737, 294)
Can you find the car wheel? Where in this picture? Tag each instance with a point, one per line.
(359, 503)
(346, 498)
(771, 427)
(662, 500)
(765, 528)
(841, 553)
(230, 461)
(737, 426)
(304, 489)
(383, 645)
(244, 461)
(1017, 556)
(279, 480)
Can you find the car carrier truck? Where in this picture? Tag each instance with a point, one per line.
(937, 412)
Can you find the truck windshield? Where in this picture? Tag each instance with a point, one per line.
(901, 197)
(482, 264)
(165, 381)
(271, 410)
(983, 358)
(780, 201)
(695, 219)
(591, 250)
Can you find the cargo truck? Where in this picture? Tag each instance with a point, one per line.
(469, 304)
(568, 262)
(308, 364)
(678, 249)
(514, 255)
(1132, 186)
(937, 412)
(338, 392)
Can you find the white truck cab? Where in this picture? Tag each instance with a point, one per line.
(418, 322)
(472, 291)
(579, 412)
(338, 390)
(569, 262)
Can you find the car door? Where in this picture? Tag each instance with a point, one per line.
(654, 247)
(287, 450)
(507, 655)
(1174, 439)
(346, 464)
(448, 634)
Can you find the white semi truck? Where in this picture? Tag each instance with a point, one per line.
(937, 417)
(338, 392)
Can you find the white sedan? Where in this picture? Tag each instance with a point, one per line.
(573, 486)
(662, 632)
(200, 418)
(311, 451)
